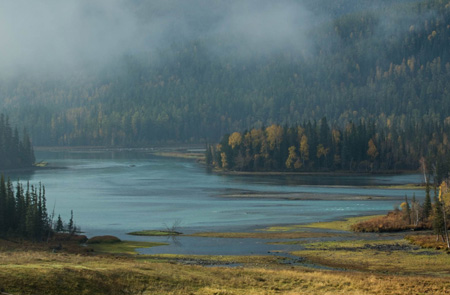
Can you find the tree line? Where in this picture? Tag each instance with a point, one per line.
(319, 146)
(15, 152)
(431, 214)
(24, 213)
(387, 65)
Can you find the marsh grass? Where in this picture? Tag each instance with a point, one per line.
(156, 233)
(62, 273)
(263, 235)
(427, 241)
(123, 247)
(393, 221)
(384, 256)
(342, 225)
(103, 240)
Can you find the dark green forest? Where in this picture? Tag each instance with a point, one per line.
(24, 214)
(387, 63)
(15, 151)
(23, 211)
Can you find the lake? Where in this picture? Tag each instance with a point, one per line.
(115, 192)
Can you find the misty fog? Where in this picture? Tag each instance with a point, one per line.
(50, 36)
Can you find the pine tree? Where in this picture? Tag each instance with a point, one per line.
(3, 208)
(427, 202)
(438, 220)
(59, 224)
(415, 210)
(70, 226)
(406, 210)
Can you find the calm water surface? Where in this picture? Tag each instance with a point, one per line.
(118, 192)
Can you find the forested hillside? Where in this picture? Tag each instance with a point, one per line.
(231, 66)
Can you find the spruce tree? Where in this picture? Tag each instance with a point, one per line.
(3, 209)
(70, 226)
(427, 202)
(438, 221)
(407, 211)
(59, 225)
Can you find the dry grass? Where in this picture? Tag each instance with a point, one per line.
(154, 233)
(263, 235)
(391, 222)
(342, 225)
(103, 239)
(384, 256)
(123, 247)
(427, 241)
(48, 273)
(377, 267)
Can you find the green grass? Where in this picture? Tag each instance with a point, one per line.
(263, 235)
(382, 256)
(343, 225)
(153, 233)
(103, 240)
(123, 247)
(409, 186)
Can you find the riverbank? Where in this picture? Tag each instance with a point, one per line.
(356, 264)
(64, 274)
(197, 152)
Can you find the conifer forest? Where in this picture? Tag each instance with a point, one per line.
(384, 66)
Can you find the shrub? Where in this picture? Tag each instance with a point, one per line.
(103, 239)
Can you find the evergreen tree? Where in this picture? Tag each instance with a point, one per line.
(406, 210)
(3, 207)
(24, 212)
(438, 220)
(70, 225)
(59, 225)
(427, 207)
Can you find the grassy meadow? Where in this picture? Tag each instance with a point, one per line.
(43, 272)
(345, 266)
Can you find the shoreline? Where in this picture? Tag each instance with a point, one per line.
(313, 173)
(194, 152)
(311, 261)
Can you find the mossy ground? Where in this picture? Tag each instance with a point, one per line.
(123, 247)
(382, 256)
(263, 235)
(342, 225)
(154, 233)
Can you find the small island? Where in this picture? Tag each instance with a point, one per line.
(150, 233)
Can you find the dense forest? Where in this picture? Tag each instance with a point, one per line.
(24, 214)
(15, 152)
(387, 63)
(318, 146)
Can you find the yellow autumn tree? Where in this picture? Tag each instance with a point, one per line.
(322, 152)
(274, 136)
(304, 149)
(292, 157)
(372, 151)
(223, 157)
(235, 139)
